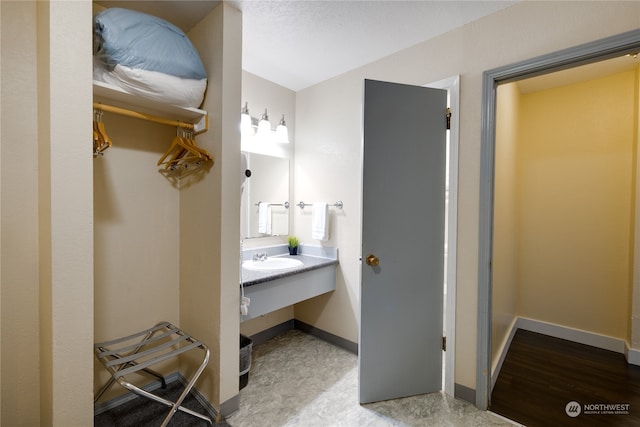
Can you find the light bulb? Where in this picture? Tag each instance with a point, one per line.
(282, 133)
(264, 127)
(245, 122)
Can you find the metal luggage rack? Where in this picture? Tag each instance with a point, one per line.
(141, 350)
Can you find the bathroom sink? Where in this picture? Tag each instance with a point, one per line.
(272, 264)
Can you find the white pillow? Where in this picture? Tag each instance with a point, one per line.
(153, 85)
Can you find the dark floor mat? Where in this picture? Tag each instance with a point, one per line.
(143, 412)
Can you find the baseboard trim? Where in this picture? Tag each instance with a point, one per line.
(343, 343)
(278, 329)
(212, 412)
(229, 407)
(464, 393)
(155, 385)
(100, 408)
(272, 332)
(564, 332)
(576, 335)
(632, 355)
(497, 366)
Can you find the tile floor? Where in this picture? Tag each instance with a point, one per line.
(299, 380)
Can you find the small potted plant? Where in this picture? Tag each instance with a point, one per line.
(293, 245)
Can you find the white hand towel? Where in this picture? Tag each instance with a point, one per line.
(319, 221)
(264, 218)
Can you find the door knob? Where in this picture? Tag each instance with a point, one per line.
(372, 260)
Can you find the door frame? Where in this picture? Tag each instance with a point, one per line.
(607, 48)
(452, 86)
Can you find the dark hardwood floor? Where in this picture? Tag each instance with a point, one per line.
(542, 374)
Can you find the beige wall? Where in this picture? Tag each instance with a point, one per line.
(575, 175)
(328, 168)
(19, 287)
(328, 140)
(210, 211)
(71, 208)
(505, 215)
(47, 215)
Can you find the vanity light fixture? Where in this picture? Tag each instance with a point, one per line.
(282, 133)
(261, 129)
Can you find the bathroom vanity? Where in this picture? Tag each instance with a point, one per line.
(280, 279)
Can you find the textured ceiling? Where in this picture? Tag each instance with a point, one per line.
(299, 43)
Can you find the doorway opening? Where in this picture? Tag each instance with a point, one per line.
(563, 207)
(626, 43)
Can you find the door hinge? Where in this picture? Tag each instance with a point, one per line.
(444, 343)
(448, 118)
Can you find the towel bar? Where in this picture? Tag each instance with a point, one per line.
(141, 350)
(337, 204)
(285, 204)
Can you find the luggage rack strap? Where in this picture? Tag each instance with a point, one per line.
(139, 366)
(117, 360)
(137, 345)
(137, 334)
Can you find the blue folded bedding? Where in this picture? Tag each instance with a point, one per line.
(141, 41)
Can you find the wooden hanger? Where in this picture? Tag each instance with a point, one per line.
(190, 140)
(183, 151)
(185, 156)
(97, 139)
(176, 147)
(101, 140)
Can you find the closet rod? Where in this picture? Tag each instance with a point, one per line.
(137, 115)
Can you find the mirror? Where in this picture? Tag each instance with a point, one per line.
(265, 179)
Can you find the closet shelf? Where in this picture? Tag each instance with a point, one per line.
(114, 96)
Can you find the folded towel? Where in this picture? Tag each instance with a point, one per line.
(264, 218)
(319, 221)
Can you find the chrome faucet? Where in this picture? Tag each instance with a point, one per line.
(260, 256)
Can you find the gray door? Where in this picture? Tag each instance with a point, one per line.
(401, 295)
